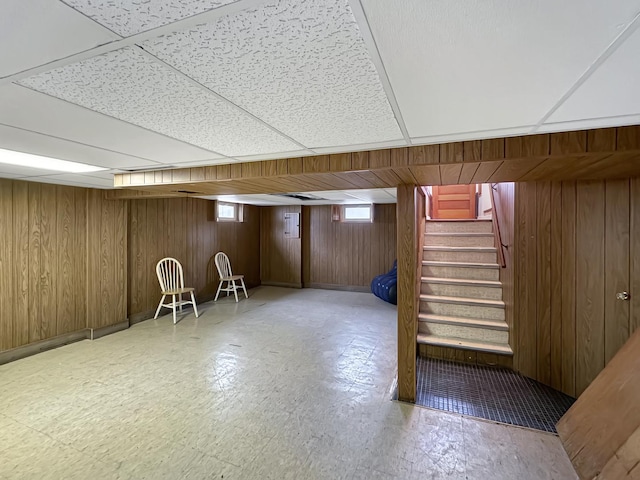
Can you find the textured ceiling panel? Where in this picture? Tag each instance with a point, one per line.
(39, 31)
(128, 17)
(37, 112)
(612, 90)
(300, 66)
(482, 65)
(128, 85)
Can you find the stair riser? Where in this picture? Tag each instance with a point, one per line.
(467, 291)
(459, 227)
(465, 311)
(466, 333)
(469, 273)
(469, 257)
(437, 240)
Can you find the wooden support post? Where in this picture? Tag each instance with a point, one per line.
(407, 299)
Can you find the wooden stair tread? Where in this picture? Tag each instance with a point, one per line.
(434, 263)
(459, 234)
(462, 281)
(445, 248)
(476, 302)
(451, 342)
(464, 322)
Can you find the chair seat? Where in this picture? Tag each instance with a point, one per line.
(232, 277)
(178, 291)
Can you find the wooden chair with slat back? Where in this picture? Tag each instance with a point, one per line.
(171, 280)
(226, 275)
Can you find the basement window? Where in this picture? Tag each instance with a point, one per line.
(228, 212)
(356, 213)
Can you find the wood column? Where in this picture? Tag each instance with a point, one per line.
(407, 299)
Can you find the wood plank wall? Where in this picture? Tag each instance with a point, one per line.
(280, 257)
(574, 249)
(56, 243)
(347, 255)
(185, 228)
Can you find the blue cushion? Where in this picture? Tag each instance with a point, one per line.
(384, 286)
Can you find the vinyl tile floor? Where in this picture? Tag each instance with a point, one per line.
(289, 384)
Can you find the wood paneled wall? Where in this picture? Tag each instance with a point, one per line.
(575, 246)
(280, 257)
(185, 228)
(347, 255)
(62, 268)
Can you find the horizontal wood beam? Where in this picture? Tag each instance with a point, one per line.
(580, 155)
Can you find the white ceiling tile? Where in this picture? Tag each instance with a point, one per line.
(128, 85)
(587, 124)
(481, 135)
(483, 65)
(8, 175)
(302, 67)
(29, 142)
(72, 180)
(611, 91)
(40, 31)
(273, 156)
(38, 112)
(82, 180)
(19, 171)
(128, 17)
(361, 147)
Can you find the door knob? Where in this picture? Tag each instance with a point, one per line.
(622, 295)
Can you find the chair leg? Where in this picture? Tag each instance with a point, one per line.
(174, 308)
(235, 290)
(193, 300)
(244, 288)
(218, 292)
(228, 287)
(180, 300)
(159, 306)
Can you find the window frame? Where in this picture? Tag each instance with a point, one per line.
(237, 210)
(344, 208)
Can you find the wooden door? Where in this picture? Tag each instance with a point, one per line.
(454, 202)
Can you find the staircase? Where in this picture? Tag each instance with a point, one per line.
(460, 294)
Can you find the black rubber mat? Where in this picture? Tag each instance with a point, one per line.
(488, 392)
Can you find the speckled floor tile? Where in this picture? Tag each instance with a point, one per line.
(287, 384)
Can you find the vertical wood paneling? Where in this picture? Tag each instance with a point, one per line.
(280, 257)
(65, 251)
(575, 249)
(407, 281)
(20, 257)
(6, 277)
(634, 254)
(616, 274)
(556, 286)
(34, 262)
(568, 307)
(543, 278)
(589, 282)
(48, 263)
(348, 254)
(80, 258)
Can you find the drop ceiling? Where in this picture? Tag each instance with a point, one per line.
(133, 84)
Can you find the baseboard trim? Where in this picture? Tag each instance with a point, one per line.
(42, 346)
(95, 333)
(344, 288)
(282, 284)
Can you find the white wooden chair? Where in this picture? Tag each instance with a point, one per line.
(226, 275)
(171, 280)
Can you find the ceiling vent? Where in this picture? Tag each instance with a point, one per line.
(305, 197)
(188, 191)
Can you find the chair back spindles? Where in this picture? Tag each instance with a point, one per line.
(170, 274)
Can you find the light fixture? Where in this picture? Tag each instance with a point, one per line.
(45, 163)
